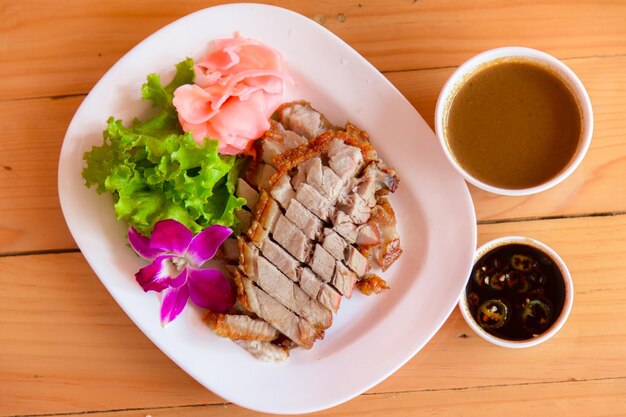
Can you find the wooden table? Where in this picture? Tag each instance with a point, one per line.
(66, 348)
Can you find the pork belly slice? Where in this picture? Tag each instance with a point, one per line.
(344, 225)
(365, 185)
(270, 149)
(329, 297)
(329, 184)
(268, 215)
(282, 191)
(387, 250)
(306, 221)
(276, 284)
(334, 244)
(245, 191)
(300, 176)
(240, 327)
(356, 261)
(291, 238)
(267, 211)
(310, 283)
(263, 174)
(314, 201)
(288, 138)
(278, 139)
(368, 235)
(264, 351)
(281, 259)
(303, 120)
(244, 217)
(323, 263)
(320, 177)
(344, 159)
(344, 279)
(257, 233)
(269, 309)
(356, 208)
(324, 293)
(385, 180)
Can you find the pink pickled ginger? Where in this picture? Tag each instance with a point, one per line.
(238, 86)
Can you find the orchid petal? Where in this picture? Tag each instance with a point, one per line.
(181, 279)
(173, 302)
(204, 245)
(209, 288)
(156, 276)
(141, 245)
(170, 236)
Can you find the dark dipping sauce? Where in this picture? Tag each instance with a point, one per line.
(513, 124)
(515, 292)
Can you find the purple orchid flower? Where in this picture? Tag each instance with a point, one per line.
(177, 257)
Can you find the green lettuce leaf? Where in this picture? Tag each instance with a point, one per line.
(154, 171)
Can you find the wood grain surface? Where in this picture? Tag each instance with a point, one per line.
(66, 348)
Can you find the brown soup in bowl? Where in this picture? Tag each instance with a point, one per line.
(513, 124)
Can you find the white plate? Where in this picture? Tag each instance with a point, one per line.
(372, 336)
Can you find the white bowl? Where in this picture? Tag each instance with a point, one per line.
(567, 302)
(567, 75)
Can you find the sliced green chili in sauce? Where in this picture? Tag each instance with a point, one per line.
(515, 292)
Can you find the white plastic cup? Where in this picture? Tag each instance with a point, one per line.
(567, 302)
(566, 74)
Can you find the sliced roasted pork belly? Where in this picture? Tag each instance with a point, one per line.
(344, 225)
(334, 244)
(344, 279)
(345, 160)
(280, 317)
(356, 261)
(276, 284)
(324, 293)
(257, 233)
(310, 198)
(245, 219)
(387, 250)
(320, 177)
(247, 192)
(291, 238)
(356, 208)
(264, 173)
(386, 179)
(282, 191)
(310, 283)
(368, 234)
(241, 327)
(329, 297)
(288, 138)
(306, 221)
(281, 259)
(267, 211)
(271, 149)
(323, 263)
(302, 119)
(365, 185)
(319, 226)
